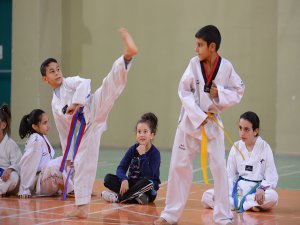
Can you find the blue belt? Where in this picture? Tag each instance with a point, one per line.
(240, 208)
(1, 171)
(77, 116)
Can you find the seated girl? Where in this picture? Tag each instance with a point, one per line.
(142, 162)
(252, 181)
(10, 155)
(39, 171)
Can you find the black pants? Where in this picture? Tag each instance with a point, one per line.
(135, 188)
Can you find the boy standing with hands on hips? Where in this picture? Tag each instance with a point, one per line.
(69, 96)
(208, 85)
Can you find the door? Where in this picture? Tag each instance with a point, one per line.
(5, 50)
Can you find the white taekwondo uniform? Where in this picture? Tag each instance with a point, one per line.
(258, 166)
(10, 155)
(195, 104)
(39, 172)
(76, 90)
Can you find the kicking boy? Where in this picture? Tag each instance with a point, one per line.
(209, 84)
(74, 92)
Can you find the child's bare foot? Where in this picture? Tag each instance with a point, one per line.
(130, 47)
(79, 211)
(94, 193)
(255, 209)
(160, 221)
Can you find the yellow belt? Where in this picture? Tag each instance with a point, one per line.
(203, 154)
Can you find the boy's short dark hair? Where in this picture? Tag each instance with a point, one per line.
(45, 64)
(210, 34)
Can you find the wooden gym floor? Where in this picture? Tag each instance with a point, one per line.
(50, 210)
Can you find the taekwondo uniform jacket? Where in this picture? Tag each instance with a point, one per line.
(258, 166)
(35, 159)
(10, 153)
(71, 91)
(196, 102)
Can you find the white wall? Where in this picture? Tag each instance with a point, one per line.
(260, 38)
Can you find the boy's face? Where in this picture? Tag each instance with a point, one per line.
(203, 50)
(53, 75)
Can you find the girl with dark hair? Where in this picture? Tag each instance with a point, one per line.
(142, 162)
(39, 172)
(252, 181)
(10, 155)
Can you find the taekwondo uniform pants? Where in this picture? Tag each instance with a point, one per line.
(181, 174)
(271, 200)
(11, 186)
(101, 103)
(50, 180)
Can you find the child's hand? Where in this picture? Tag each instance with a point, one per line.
(260, 196)
(69, 165)
(72, 109)
(214, 90)
(124, 187)
(141, 149)
(6, 174)
(204, 122)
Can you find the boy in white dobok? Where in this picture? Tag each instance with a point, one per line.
(209, 84)
(74, 92)
(252, 181)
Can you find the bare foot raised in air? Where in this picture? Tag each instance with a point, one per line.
(79, 211)
(129, 45)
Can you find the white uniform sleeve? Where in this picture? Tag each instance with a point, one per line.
(82, 89)
(232, 168)
(28, 165)
(14, 155)
(231, 94)
(186, 95)
(271, 175)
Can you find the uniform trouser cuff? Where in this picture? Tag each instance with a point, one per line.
(82, 200)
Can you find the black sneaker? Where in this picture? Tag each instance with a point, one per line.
(142, 199)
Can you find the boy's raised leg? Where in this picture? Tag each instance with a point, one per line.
(129, 45)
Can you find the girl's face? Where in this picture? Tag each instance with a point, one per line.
(43, 126)
(246, 132)
(2, 126)
(144, 134)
